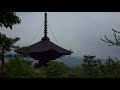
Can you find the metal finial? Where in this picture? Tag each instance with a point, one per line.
(45, 25)
(45, 28)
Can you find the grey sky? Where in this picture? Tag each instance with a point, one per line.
(79, 31)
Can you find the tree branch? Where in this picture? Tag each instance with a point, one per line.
(117, 39)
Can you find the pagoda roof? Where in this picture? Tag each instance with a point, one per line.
(47, 45)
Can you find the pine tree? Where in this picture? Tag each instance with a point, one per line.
(7, 19)
(90, 66)
(111, 68)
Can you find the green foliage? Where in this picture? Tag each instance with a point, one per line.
(42, 72)
(24, 51)
(90, 66)
(6, 42)
(54, 70)
(111, 68)
(5, 45)
(76, 72)
(8, 19)
(17, 68)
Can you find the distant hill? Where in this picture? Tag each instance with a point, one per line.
(71, 61)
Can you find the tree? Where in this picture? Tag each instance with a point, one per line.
(111, 68)
(54, 70)
(111, 42)
(7, 19)
(90, 66)
(24, 51)
(76, 72)
(17, 68)
(5, 44)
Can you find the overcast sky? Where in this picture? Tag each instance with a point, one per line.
(79, 31)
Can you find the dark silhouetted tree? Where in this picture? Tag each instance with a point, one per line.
(7, 19)
(90, 66)
(6, 44)
(24, 50)
(115, 42)
(111, 68)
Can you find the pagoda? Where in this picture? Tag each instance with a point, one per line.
(45, 50)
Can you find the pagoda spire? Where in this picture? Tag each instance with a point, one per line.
(45, 28)
(45, 25)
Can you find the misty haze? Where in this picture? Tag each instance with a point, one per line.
(60, 44)
(79, 31)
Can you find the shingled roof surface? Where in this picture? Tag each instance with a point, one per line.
(46, 45)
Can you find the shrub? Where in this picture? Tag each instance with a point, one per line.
(54, 70)
(16, 68)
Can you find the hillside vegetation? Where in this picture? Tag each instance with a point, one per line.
(91, 68)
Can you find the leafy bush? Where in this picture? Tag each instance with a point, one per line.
(91, 68)
(16, 68)
(76, 72)
(54, 70)
(111, 68)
